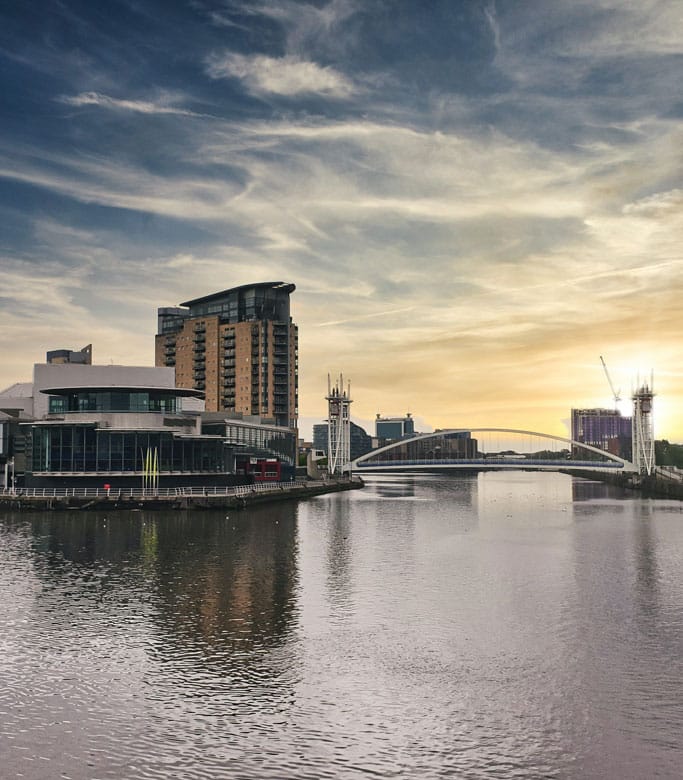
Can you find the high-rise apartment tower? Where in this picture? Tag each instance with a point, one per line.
(239, 346)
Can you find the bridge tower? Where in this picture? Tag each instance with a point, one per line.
(338, 425)
(643, 435)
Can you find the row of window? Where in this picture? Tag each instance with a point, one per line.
(113, 401)
(86, 449)
(265, 442)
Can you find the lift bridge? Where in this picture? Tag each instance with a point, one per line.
(489, 449)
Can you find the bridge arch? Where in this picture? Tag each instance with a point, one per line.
(613, 461)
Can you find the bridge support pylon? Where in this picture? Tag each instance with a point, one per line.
(338, 426)
(643, 440)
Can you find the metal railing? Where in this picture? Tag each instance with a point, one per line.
(475, 462)
(669, 472)
(128, 492)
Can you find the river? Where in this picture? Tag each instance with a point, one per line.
(515, 625)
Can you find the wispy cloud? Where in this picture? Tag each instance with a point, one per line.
(286, 76)
(360, 317)
(308, 26)
(138, 106)
(511, 200)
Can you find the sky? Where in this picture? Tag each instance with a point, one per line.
(476, 199)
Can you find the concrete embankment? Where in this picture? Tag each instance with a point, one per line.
(242, 499)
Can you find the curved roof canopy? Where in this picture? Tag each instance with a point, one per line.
(171, 392)
(286, 286)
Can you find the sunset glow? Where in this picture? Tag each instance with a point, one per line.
(475, 200)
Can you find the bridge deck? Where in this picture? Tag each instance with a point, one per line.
(490, 463)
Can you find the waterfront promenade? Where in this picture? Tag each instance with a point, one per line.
(237, 497)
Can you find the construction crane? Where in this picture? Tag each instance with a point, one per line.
(615, 393)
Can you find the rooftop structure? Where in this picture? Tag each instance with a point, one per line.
(83, 356)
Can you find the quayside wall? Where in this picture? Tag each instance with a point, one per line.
(653, 486)
(239, 497)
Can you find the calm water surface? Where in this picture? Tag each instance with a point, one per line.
(491, 626)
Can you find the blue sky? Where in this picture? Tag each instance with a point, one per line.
(475, 199)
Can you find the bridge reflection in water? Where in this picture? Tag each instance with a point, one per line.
(489, 448)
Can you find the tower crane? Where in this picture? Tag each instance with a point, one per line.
(615, 393)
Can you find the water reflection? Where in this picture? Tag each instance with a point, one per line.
(495, 625)
(215, 579)
(524, 498)
(143, 622)
(226, 581)
(647, 573)
(589, 490)
(339, 553)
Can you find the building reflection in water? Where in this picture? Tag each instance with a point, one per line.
(647, 570)
(221, 586)
(228, 583)
(592, 490)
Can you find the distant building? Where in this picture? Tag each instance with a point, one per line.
(605, 429)
(437, 447)
(239, 347)
(361, 442)
(17, 399)
(12, 448)
(82, 356)
(393, 428)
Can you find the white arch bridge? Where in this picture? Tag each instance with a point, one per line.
(489, 448)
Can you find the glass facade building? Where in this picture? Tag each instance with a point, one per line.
(256, 440)
(112, 435)
(85, 448)
(114, 400)
(361, 442)
(394, 428)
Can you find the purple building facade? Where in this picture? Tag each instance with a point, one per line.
(606, 429)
